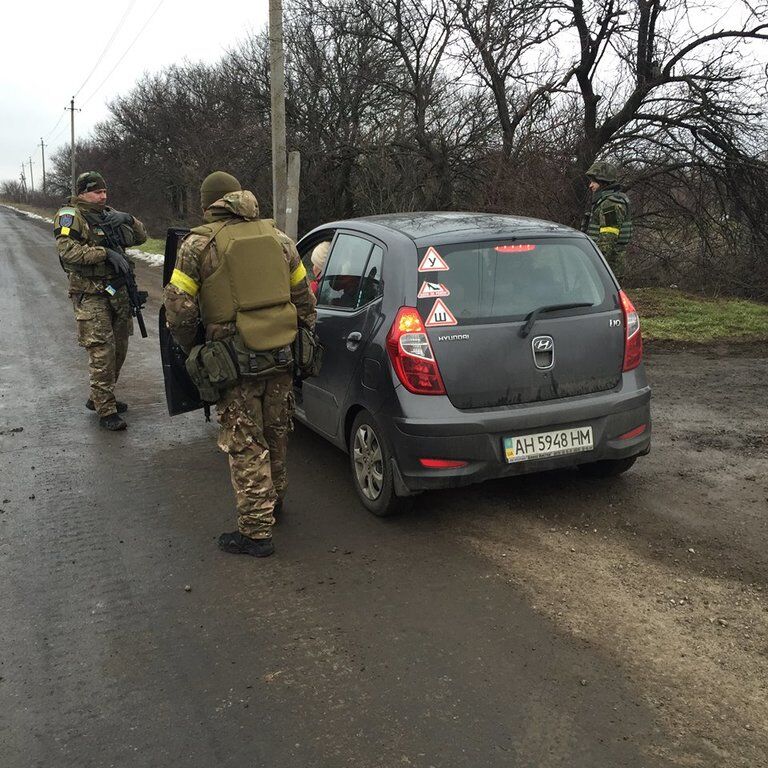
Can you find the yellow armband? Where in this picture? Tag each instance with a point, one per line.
(184, 282)
(298, 274)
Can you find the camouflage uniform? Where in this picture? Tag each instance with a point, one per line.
(255, 416)
(608, 221)
(103, 321)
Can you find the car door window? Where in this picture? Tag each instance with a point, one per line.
(343, 276)
(371, 285)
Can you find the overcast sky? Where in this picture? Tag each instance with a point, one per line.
(49, 49)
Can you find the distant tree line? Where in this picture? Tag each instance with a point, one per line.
(476, 105)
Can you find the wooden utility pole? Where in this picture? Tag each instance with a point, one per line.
(72, 109)
(277, 90)
(42, 151)
(292, 195)
(31, 177)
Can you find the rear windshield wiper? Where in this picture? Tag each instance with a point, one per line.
(534, 316)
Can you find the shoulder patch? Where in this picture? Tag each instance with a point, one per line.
(66, 220)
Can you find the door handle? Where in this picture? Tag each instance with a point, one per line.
(353, 339)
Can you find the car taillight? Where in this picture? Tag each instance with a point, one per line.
(411, 354)
(633, 341)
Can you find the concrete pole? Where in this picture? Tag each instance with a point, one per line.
(31, 176)
(277, 89)
(42, 152)
(292, 196)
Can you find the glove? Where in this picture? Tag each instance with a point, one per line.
(114, 218)
(118, 262)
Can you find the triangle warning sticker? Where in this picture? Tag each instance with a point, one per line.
(440, 315)
(432, 290)
(433, 262)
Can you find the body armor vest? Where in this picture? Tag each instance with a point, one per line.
(251, 287)
(625, 231)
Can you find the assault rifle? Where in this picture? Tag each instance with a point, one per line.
(137, 298)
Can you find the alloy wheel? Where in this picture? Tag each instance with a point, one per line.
(369, 464)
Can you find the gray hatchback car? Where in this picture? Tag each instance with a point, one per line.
(464, 346)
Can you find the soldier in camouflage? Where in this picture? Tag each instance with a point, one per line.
(608, 221)
(100, 301)
(255, 414)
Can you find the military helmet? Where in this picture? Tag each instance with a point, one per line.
(89, 181)
(215, 186)
(603, 171)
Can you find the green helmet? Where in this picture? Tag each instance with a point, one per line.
(89, 181)
(602, 171)
(215, 186)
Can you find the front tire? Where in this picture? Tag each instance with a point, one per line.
(608, 467)
(370, 459)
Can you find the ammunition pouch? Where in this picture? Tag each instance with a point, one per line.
(254, 364)
(218, 365)
(125, 235)
(212, 369)
(307, 354)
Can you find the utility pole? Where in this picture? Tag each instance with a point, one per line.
(42, 151)
(23, 182)
(31, 177)
(292, 195)
(72, 109)
(277, 91)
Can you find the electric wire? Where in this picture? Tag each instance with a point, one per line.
(125, 53)
(117, 28)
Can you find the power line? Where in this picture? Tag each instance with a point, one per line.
(106, 47)
(125, 53)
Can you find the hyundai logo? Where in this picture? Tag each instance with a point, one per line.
(543, 348)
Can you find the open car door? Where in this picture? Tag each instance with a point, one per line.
(180, 393)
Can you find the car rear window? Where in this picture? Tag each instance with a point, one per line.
(510, 278)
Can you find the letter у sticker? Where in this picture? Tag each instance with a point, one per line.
(432, 290)
(433, 262)
(440, 315)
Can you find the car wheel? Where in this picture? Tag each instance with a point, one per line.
(607, 467)
(371, 462)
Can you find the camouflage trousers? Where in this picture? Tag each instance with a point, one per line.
(103, 326)
(255, 417)
(616, 261)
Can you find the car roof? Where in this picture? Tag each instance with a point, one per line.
(434, 227)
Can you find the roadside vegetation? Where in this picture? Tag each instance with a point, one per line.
(670, 315)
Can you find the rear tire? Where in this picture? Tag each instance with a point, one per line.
(370, 459)
(607, 467)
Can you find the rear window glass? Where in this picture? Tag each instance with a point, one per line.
(509, 278)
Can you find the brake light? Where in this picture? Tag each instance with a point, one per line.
(516, 248)
(411, 354)
(633, 341)
(442, 463)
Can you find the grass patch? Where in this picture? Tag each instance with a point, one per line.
(667, 314)
(153, 245)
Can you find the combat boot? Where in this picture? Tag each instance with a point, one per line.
(237, 544)
(112, 422)
(121, 406)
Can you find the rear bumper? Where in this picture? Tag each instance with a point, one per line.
(443, 432)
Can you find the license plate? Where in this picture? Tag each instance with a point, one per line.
(547, 444)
